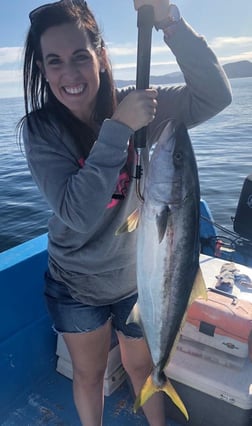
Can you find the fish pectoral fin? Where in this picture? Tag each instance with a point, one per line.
(162, 221)
(199, 288)
(130, 224)
(134, 315)
(149, 388)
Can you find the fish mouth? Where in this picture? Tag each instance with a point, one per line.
(75, 90)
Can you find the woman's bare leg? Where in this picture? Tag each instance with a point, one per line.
(89, 353)
(137, 362)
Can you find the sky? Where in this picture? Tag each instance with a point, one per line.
(226, 25)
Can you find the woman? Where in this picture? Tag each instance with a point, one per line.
(77, 145)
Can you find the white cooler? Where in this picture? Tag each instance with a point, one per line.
(214, 393)
(224, 321)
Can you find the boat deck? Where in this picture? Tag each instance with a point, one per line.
(32, 392)
(51, 403)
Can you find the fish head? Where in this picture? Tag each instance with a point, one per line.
(185, 165)
(161, 171)
(172, 170)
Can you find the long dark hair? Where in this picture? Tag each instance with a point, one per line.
(38, 96)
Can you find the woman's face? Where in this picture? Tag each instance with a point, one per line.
(71, 67)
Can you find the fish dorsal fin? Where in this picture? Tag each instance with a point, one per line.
(130, 224)
(162, 221)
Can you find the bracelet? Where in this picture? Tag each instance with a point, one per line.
(172, 18)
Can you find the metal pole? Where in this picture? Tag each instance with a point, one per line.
(145, 21)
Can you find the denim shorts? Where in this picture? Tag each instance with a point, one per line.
(72, 316)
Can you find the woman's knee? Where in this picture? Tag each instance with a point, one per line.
(136, 358)
(89, 353)
(88, 376)
(140, 369)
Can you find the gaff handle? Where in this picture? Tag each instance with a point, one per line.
(145, 22)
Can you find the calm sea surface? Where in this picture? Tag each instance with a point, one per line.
(223, 148)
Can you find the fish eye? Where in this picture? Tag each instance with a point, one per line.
(178, 157)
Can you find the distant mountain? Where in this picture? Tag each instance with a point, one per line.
(175, 77)
(239, 69)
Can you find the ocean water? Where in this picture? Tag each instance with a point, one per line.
(223, 148)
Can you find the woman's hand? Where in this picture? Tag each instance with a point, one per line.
(160, 7)
(137, 109)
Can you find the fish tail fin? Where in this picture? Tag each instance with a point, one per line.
(131, 223)
(149, 388)
(146, 392)
(171, 392)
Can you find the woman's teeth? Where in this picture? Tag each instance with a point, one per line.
(75, 90)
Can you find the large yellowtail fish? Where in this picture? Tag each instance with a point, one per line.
(168, 274)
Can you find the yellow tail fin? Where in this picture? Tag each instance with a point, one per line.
(149, 388)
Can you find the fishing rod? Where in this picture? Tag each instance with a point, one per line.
(227, 246)
(222, 228)
(235, 241)
(145, 22)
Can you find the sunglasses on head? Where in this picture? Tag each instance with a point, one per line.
(35, 12)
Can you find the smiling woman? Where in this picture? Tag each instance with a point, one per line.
(71, 68)
(77, 134)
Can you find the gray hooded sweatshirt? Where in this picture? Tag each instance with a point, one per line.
(97, 266)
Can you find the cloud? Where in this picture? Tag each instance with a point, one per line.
(232, 49)
(245, 56)
(123, 58)
(10, 55)
(118, 51)
(231, 42)
(131, 50)
(11, 71)
(132, 65)
(10, 76)
(228, 49)
(10, 83)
